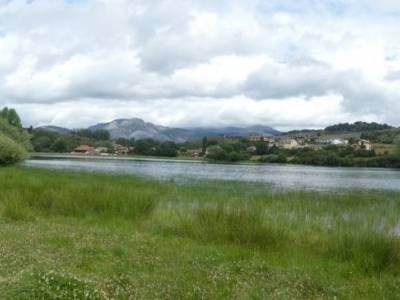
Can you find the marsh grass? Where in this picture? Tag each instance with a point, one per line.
(14, 209)
(245, 225)
(52, 285)
(78, 195)
(327, 237)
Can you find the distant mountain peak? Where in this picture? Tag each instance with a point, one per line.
(139, 129)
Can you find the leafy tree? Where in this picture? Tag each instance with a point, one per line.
(10, 151)
(167, 149)
(397, 149)
(217, 153)
(146, 147)
(11, 116)
(60, 146)
(261, 148)
(18, 134)
(42, 144)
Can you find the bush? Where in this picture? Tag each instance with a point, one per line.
(10, 151)
(18, 135)
(217, 153)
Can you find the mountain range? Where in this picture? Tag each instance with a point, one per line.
(139, 129)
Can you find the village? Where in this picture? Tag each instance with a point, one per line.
(310, 141)
(103, 151)
(269, 142)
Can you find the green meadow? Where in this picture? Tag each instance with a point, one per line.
(72, 235)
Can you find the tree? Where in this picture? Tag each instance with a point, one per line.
(204, 145)
(14, 140)
(10, 151)
(397, 149)
(17, 134)
(217, 153)
(168, 149)
(11, 116)
(59, 146)
(145, 147)
(261, 148)
(42, 144)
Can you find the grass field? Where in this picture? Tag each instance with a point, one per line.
(69, 235)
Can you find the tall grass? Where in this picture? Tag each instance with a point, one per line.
(246, 224)
(77, 195)
(354, 228)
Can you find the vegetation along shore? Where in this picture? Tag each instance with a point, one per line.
(122, 237)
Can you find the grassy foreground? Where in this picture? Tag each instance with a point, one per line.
(68, 235)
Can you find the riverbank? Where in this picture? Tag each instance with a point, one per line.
(105, 236)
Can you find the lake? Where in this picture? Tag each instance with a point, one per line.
(286, 176)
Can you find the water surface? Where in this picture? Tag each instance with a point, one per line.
(287, 176)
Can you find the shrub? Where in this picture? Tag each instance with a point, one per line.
(10, 151)
(18, 135)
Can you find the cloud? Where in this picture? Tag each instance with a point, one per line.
(201, 62)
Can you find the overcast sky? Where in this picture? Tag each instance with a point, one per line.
(284, 63)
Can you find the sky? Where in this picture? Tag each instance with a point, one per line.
(189, 63)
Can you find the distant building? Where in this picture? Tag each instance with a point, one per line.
(101, 150)
(261, 138)
(121, 150)
(339, 142)
(288, 144)
(323, 141)
(332, 141)
(362, 145)
(84, 149)
(194, 152)
(301, 140)
(256, 138)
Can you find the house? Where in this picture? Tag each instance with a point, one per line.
(101, 150)
(332, 141)
(256, 138)
(83, 149)
(261, 138)
(323, 141)
(288, 144)
(301, 140)
(121, 150)
(194, 152)
(339, 142)
(362, 145)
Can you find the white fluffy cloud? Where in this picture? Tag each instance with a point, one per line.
(289, 64)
